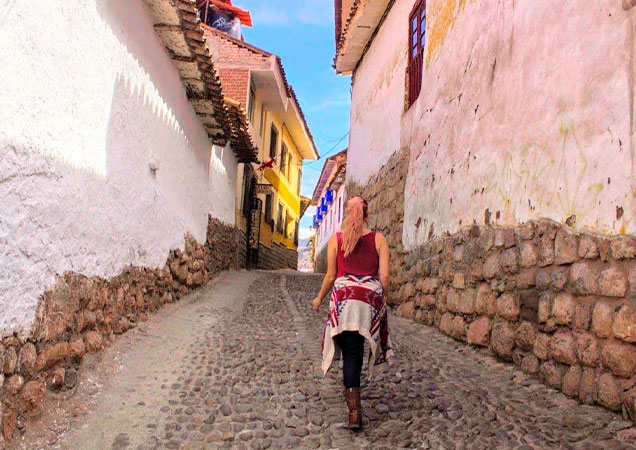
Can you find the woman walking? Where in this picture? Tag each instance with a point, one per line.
(358, 271)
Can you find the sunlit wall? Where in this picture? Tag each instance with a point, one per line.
(103, 162)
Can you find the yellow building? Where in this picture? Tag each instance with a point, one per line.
(256, 78)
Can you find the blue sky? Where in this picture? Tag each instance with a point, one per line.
(301, 33)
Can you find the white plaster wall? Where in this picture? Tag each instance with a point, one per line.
(377, 97)
(89, 100)
(526, 112)
(526, 118)
(327, 229)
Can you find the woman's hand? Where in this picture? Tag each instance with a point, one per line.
(316, 303)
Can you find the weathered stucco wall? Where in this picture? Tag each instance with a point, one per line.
(521, 115)
(528, 117)
(377, 97)
(89, 102)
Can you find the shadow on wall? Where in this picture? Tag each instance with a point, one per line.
(161, 88)
(122, 18)
(71, 218)
(5, 10)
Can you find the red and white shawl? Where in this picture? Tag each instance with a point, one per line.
(357, 304)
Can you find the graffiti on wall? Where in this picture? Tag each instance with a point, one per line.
(553, 177)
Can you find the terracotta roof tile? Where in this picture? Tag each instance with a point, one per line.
(343, 34)
(177, 24)
(240, 137)
(337, 7)
(330, 170)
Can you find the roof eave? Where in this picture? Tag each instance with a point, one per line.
(179, 29)
(308, 151)
(329, 170)
(360, 27)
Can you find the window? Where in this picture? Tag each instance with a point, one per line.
(279, 221)
(286, 228)
(251, 105)
(263, 116)
(283, 159)
(417, 42)
(273, 142)
(268, 209)
(247, 193)
(300, 176)
(289, 161)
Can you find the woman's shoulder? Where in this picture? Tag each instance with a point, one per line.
(379, 237)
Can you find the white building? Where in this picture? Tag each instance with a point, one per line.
(114, 140)
(329, 198)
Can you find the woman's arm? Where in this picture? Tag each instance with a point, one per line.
(330, 276)
(382, 247)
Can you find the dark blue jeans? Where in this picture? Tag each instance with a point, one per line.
(351, 345)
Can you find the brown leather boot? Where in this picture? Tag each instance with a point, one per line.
(355, 408)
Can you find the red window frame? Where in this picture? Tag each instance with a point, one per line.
(417, 43)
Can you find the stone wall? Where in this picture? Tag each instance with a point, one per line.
(385, 195)
(81, 314)
(557, 303)
(277, 257)
(320, 264)
(241, 249)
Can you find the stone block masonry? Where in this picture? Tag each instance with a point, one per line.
(385, 195)
(277, 257)
(81, 314)
(556, 303)
(559, 304)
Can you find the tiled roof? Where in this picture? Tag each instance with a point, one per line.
(343, 34)
(177, 24)
(239, 42)
(337, 8)
(240, 137)
(332, 167)
(363, 21)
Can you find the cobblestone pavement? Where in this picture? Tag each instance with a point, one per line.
(237, 366)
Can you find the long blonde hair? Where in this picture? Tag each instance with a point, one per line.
(353, 224)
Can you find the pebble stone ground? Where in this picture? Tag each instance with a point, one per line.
(237, 366)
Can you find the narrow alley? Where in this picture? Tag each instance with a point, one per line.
(236, 365)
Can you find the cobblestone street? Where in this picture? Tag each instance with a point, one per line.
(236, 365)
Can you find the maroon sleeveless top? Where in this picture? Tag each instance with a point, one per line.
(363, 260)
